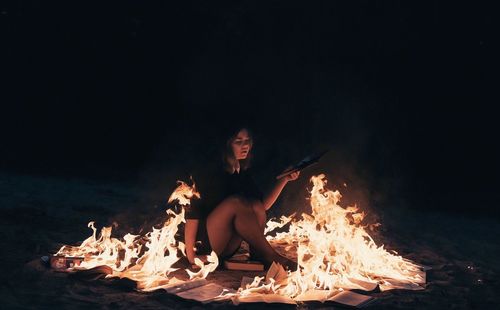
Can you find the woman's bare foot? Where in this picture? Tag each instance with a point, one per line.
(288, 264)
(283, 261)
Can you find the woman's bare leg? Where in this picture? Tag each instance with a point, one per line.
(235, 242)
(260, 213)
(235, 217)
(232, 246)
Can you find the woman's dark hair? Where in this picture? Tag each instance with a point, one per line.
(228, 156)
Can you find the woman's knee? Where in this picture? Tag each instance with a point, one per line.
(258, 206)
(238, 203)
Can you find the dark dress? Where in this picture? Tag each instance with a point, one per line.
(215, 185)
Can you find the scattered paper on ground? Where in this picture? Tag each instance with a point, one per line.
(333, 249)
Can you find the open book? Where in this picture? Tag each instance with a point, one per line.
(351, 299)
(64, 263)
(280, 276)
(344, 299)
(200, 290)
(203, 293)
(304, 163)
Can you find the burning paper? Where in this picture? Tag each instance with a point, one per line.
(148, 260)
(333, 250)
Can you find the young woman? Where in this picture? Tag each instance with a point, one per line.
(232, 208)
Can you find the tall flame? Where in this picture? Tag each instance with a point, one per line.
(148, 260)
(184, 193)
(334, 251)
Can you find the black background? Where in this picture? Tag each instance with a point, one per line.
(135, 90)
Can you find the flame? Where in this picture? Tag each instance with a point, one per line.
(148, 260)
(104, 250)
(183, 193)
(272, 225)
(213, 262)
(334, 252)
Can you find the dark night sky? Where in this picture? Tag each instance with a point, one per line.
(401, 90)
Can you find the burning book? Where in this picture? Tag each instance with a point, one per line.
(64, 263)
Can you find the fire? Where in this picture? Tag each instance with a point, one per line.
(104, 250)
(148, 260)
(333, 250)
(184, 193)
(272, 225)
(204, 270)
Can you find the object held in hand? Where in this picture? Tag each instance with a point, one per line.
(304, 163)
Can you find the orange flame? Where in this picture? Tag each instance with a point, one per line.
(149, 268)
(334, 252)
(183, 193)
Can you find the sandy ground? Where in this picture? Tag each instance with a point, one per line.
(39, 214)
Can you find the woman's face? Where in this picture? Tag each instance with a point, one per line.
(242, 144)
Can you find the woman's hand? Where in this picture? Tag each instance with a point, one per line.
(203, 259)
(292, 176)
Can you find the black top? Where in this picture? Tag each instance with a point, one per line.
(215, 185)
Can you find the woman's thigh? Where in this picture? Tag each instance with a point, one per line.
(260, 212)
(220, 222)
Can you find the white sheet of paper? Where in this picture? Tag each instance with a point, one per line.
(245, 281)
(351, 299)
(363, 285)
(397, 284)
(267, 298)
(203, 293)
(314, 295)
(183, 286)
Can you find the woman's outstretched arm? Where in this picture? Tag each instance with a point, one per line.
(271, 197)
